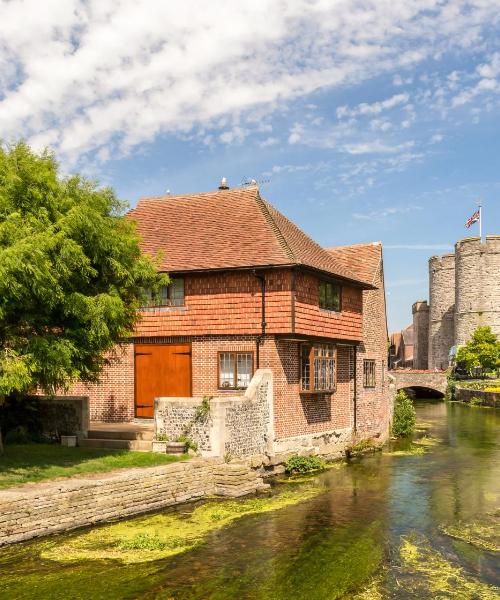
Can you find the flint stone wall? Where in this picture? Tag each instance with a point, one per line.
(177, 416)
(240, 426)
(37, 510)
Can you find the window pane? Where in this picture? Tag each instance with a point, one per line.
(305, 368)
(226, 369)
(322, 295)
(177, 291)
(335, 304)
(244, 370)
(163, 295)
(369, 373)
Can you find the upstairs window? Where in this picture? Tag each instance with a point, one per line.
(369, 373)
(235, 370)
(318, 368)
(168, 295)
(329, 296)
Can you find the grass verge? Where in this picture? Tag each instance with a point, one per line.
(27, 463)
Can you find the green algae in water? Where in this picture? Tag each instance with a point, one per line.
(485, 536)
(427, 574)
(324, 566)
(158, 536)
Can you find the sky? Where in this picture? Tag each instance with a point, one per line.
(361, 120)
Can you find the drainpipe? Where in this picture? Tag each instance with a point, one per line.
(260, 338)
(355, 399)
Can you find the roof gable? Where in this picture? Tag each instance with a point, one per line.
(363, 260)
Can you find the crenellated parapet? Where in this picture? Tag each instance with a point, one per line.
(477, 293)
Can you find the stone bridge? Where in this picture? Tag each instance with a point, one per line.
(434, 381)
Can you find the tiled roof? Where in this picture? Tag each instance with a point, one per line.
(361, 259)
(227, 229)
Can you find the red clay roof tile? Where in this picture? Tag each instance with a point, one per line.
(226, 229)
(362, 260)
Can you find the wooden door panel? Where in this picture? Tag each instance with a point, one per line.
(161, 370)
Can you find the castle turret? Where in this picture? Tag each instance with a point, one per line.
(477, 300)
(420, 310)
(442, 309)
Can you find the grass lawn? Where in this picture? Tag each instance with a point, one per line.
(39, 462)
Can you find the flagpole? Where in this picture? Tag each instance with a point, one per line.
(480, 220)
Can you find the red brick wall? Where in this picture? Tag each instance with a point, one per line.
(310, 319)
(224, 303)
(113, 398)
(299, 414)
(374, 404)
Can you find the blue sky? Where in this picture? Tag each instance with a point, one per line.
(363, 120)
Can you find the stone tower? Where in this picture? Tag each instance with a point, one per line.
(420, 312)
(442, 309)
(477, 296)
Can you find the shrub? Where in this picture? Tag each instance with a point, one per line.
(476, 401)
(303, 464)
(403, 424)
(189, 444)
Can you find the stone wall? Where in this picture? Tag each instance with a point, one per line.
(239, 426)
(178, 416)
(420, 311)
(45, 508)
(486, 398)
(248, 421)
(64, 415)
(442, 309)
(477, 286)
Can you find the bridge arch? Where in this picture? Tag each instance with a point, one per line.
(430, 383)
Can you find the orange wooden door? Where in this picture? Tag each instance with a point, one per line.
(160, 370)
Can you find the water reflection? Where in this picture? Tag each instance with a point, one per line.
(326, 547)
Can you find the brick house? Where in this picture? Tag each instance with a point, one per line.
(251, 291)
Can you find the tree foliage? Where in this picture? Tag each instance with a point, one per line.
(482, 350)
(404, 420)
(71, 274)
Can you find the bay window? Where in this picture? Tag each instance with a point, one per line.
(318, 367)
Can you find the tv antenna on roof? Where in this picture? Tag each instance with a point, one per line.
(250, 181)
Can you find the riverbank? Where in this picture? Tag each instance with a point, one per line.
(42, 509)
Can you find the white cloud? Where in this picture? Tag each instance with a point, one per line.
(372, 109)
(99, 78)
(377, 146)
(270, 141)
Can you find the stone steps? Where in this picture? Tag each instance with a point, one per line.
(116, 444)
(118, 434)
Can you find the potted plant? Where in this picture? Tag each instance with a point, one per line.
(177, 447)
(69, 441)
(160, 443)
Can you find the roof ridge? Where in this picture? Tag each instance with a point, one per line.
(210, 193)
(263, 205)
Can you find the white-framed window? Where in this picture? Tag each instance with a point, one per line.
(235, 370)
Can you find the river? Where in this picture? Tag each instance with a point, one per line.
(420, 520)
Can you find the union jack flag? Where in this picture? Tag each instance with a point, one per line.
(473, 219)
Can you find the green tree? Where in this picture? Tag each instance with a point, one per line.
(404, 420)
(482, 350)
(71, 274)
